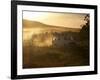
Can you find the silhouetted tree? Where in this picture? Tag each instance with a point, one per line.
(84, 32)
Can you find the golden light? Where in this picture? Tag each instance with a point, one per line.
(47, 41)
(28, 32)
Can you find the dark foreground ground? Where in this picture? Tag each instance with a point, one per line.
(39, 57)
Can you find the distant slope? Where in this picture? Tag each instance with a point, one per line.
(35, 24)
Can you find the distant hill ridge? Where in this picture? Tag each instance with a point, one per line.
(36, 24)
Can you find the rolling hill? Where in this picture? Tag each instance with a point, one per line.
(35, 24)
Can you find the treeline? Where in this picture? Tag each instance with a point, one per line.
(84, 33)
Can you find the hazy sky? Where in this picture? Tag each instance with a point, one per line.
(71, 20)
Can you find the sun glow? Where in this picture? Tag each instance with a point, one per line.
(43, 41)
(28, 32)
(38, 40)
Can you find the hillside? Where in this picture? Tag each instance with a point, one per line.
(35, 24)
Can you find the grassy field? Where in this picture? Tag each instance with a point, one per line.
(38, 57)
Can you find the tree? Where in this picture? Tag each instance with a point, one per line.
(84, 32)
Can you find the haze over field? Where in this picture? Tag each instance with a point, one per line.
(34, 27)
